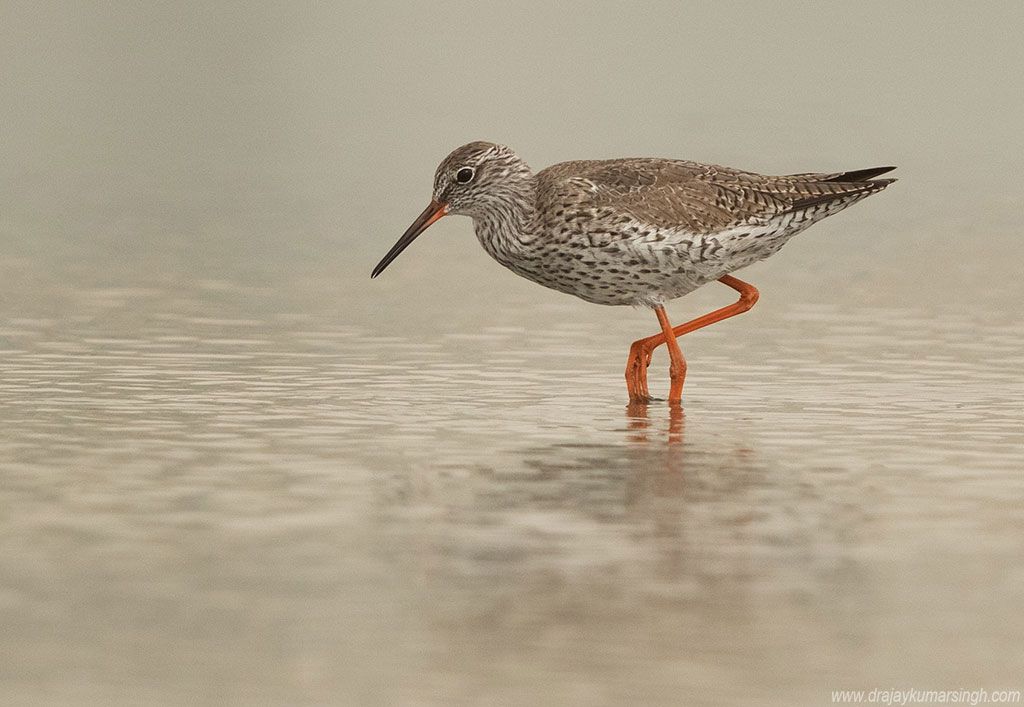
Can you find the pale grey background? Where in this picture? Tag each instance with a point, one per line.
(208, 133)
(233, 470)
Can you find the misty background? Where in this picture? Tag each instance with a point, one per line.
(267, 140)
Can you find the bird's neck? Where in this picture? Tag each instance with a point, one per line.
(506, 228)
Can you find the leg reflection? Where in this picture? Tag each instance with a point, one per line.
(638, 421)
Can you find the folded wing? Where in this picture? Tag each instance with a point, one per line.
(689, 196)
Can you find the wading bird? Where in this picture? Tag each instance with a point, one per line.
(635, 232)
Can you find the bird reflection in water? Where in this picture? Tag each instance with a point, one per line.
(659, 455)
(649, 472)
(638, 420)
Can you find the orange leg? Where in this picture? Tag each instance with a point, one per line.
(677, 365)
(641, 351)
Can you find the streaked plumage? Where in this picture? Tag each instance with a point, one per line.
(638, 231)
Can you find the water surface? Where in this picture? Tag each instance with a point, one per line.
(209, 499)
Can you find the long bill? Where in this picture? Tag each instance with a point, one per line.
(432, 213)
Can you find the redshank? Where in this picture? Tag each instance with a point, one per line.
(635, 232)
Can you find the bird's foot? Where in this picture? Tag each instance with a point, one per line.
(636, 372)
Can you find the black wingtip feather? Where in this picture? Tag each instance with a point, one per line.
(861, 175)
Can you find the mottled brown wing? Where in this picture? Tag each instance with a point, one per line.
(657, 193)
(689, 196)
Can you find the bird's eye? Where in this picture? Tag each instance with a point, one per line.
(464, 175)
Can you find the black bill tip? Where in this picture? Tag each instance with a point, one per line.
(433, 212)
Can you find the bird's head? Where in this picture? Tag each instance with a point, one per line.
(474, 180)
(477, 177)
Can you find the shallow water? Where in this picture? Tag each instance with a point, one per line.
(210, 498)
(234, 471)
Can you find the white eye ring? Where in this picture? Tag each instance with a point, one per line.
(465, 175)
